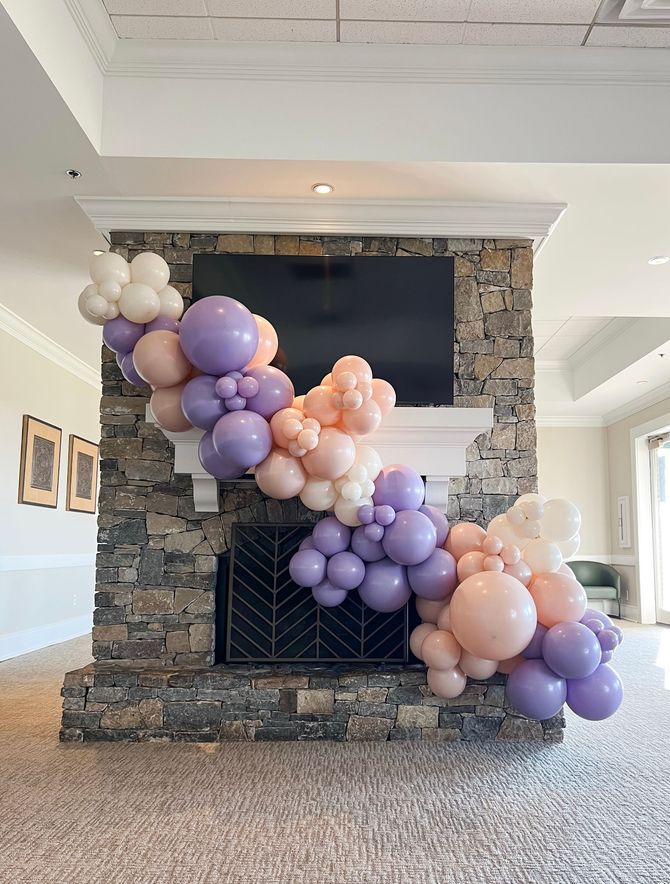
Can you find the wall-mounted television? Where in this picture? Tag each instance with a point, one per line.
(398, 313)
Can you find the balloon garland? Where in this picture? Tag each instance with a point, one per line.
(496, 599)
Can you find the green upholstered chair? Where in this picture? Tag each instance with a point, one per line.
(599, 581)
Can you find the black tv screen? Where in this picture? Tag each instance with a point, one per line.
(398, 313)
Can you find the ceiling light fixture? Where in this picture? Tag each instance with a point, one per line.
(658, 259)
(98, 252)
(73, 174)
(323, 188)
(643, 382)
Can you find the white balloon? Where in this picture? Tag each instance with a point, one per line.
(542, 556)
(516, 516)
(109, 266)
(533, 509)
(88, 292)
(318, 494)
(351, 491)
(561, 520)
(110, 289)
(139, 302)
(369, 457)
(172, 303)
(112, 310)
(368, 488)
(570, 547)
(530, 529)
(150, 269)
(347, 510)
(96, 305)
(531, 496)
(358, 473)
(500, 527)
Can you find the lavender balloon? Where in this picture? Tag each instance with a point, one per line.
(535, 691)
(346, 570)
(373, 532)
(368, 550)
(218, 335)
(307, 567)
(571, 650)
(330, 536)
(399, 486)
(592, 614)
(534, 649)
(608, 639)
(598, 696)
(275, 390)
(436, 577)
(128, 370)
(163, 323)
(385, 587)
(410, 539)
(439, 520)
(200, 404)
(243, 437)
(121, 335)
(214, 464)
(307, 543)
(327, 595)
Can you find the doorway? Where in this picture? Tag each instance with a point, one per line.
(659, 456)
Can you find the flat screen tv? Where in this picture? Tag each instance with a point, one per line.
(398, 313)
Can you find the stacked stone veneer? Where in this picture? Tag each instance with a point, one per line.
(157, 557)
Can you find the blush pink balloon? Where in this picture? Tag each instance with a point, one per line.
(521, 571)
(364, 420)
(493, 563)
(333, 456)
(447, 683)
(477, 667)
(558, 598)
(318, 405)
(493, 615)
(160, 360)
(507, 666)
(277, 421)
(428, 609)
(299, 403)
(565, 569)
(165, 405)
(444, 619)
(355, 364)
(440, 650)
(268, 342)
(510, 555)
(463, 538)
(492, 546)
(469, 564)
(280, 475)
(419, 633)
(384, 395)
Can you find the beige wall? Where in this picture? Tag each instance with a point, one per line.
(47, 573)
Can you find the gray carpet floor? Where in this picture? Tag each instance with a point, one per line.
(595, 809)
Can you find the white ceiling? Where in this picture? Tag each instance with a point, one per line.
(467, 22)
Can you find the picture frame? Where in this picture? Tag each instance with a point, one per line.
(39, 467)
(82, 475)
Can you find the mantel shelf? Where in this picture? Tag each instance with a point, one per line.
(433, 441)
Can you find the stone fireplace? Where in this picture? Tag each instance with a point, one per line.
(159, 547)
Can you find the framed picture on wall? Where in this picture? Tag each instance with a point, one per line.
(40, 462)
(82, 475)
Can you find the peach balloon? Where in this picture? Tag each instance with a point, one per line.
(510, 555)
(280, 475)
(268, 342)
(332, 457)
(493, 563)
(318, 404)
(319, 494)
(469, 564)
(567, 570)
(492, 546)
(165, 406)
(355, 364)
(521, 571)
(477, 667)
(417, 637)
(493, 615)
(277, 422)
(428, 609)
(299, 403)
(463, 538)
(363, 420)
(327, 381)
(446, 683)
(384, 395)
(159, 359)
(440, 650)
(444, 619)
(509, 665)
(557, 598)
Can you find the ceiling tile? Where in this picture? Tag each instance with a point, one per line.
(272, 8)
(541, 11)
(405, 10)
(641, 38)
(155, 7)
(400, 32)
(524, 35)
(274, 30)
(146, 27)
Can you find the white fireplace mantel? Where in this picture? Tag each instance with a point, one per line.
(433, 441)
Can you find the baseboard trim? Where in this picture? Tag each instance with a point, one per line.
(14, 644)
(631, 612)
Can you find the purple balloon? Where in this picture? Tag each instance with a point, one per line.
(346, 570)
(439, 520)
(598, 696)
(163, 323)
(608, 640)
(571, 650)
(235, 403)
(307, 543)
(200, 404)
(436, 577)
(327, 595)
(594, 625)
(618, 632)
(128, 370)
(533, 651)
(275, 390)
(330, 536)
(384, 515)
(214, 464)
(218, 335)
(307, 567)
(243, 437)
(592, 614)
(535, 691)
(385, 587)
(366, 514)
(410, 539)
(226, 387)
(606, 656)
(399, 486)
(248, 387)
(121, 334)
(368, 550)
(374, 532)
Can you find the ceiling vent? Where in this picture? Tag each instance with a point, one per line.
(635, 12)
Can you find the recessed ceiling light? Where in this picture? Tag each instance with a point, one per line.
(658, 259)
(323, 188)
(98, 252)
(73, 174)
(643, 382)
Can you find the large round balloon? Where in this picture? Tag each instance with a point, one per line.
(218, 334)
(327, 595)
(477, 667)
(139, 302)
(307, 567)
(535, 691)
(366, 549)
(217, 465)
(346, 570)
(318, 494)
(493, 615)
(150, 269)
(542, 556)
(165, 406)
(330, 536)
(121, 335)
(159, 359)
(332, 457)
(280, 475)
(399, 486)
(558, 598)
(385, 586)
(417, 636)
(439, 520)
(244, 437)
(597, 696)
(463, 538)
(440, 650)
(434, 578)
(109, 267)
(319, 405)
(410, 538)
(560, 520)
(201, 403)
(571, 650)
(268, 343)
(447, 683)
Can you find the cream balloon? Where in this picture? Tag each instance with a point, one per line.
(347, 510)
(280, 475)
(446, 683)
(477, 667)
(569, 548)
(428, 609)
(150, 269)
(419, 633)
(542, 556)
(319, 495)
(268, 342)
(368, 457)
(500, 527)
(531, 496)
(440, 650)
(139, 302)
(96, 305)
(87, 293)
(110, 289)
(172, 303)
(560, 521)
(109, 266)
(112, 310)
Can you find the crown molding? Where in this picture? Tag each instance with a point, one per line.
(533, 221)
(559, 365)
(95, 26)
(39, 342)
(640, 403)
(614, 329)
(569, 420)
